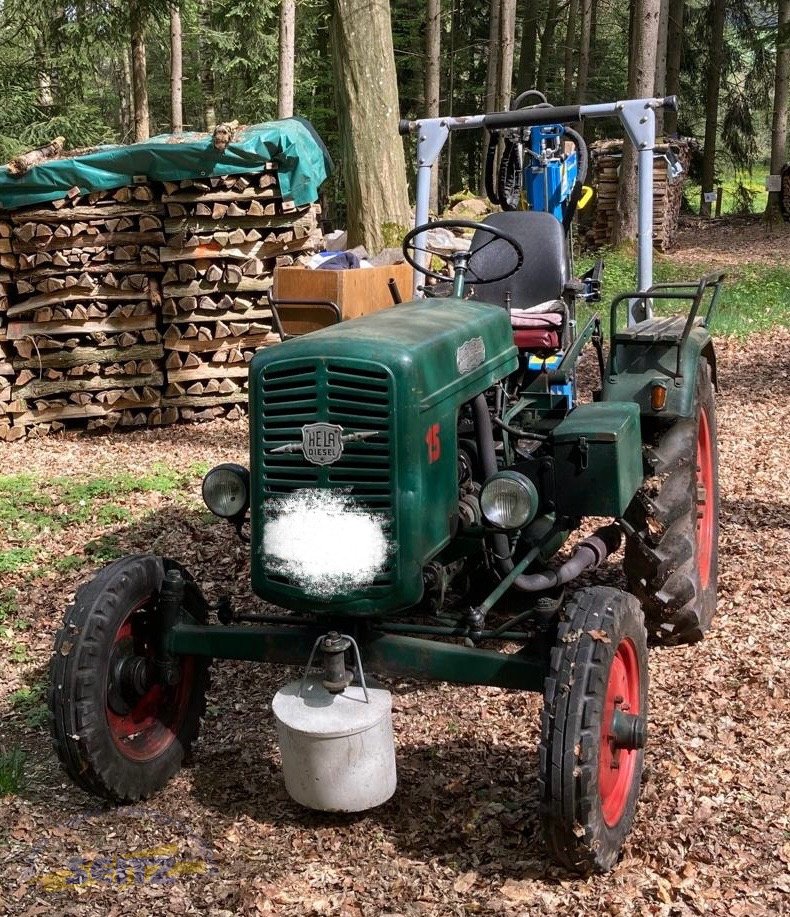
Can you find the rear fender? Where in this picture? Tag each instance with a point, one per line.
(640, 364)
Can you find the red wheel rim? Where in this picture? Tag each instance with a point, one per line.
(154, 719)
(616, 766)
(705, 503)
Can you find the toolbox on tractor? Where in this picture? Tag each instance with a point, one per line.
(416, 479)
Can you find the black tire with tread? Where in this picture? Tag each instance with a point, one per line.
(661, 560)
(571, 722)
(78, 683)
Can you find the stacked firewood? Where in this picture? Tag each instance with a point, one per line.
(667, 193)
(82, 325)
(142, 305)
(225, 235)
(7, 262)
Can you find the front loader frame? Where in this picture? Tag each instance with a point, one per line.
(637, 117)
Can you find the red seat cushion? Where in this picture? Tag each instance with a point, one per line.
(536, 339)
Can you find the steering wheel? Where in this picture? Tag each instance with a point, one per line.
(461, 261)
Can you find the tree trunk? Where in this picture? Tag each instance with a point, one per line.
(45, 96)
(641, 85)
(633, 8)
(125, 95)
(285, 83)
(529, 47)
(142, 129)
(781, 91)
(433, 48)
(715, 63)
(570, 45)
(176, 71)
(492, 74)
(674, 60)
(507, 44)
(366, 88)
(206, 69)
(584, 52)
(661, 63)
(547, 49)
(450, 99)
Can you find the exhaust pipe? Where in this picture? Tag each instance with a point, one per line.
(590, 553)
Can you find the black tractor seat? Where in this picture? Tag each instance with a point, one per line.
(534, 295)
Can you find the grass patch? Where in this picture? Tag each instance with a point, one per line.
(743, 192)
(754, 297)
(13, 559)
(31, 508)
(104, 548)
(19, 653)
(9, 605)
(30, 702)
(12, 771)
(159, 479)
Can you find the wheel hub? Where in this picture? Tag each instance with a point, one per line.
(628, 730)
(146, 701)
(130, 678)
(623, 733)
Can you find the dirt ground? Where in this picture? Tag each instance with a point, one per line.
(461, 835)
(732, 242)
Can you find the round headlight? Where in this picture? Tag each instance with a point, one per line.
(226, 490)
(509, 500)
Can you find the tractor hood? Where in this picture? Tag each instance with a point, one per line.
(448, 345)
(360, 420)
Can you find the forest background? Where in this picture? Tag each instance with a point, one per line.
(99, 71)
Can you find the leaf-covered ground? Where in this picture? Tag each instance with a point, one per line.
(712, 834)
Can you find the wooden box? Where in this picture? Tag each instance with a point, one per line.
(357, 291)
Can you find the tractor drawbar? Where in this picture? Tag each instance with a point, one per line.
(590, 552)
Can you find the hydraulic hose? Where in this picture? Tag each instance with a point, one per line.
(488, 175)
(589, 553)
(584, 156)
(581, 174)
(519, 101)
(511, 176)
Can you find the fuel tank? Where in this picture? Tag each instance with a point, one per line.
(354, 451)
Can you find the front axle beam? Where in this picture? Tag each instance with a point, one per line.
(384, 654)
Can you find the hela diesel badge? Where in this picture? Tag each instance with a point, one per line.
(322, 443)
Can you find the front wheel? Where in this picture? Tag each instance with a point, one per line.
(121, 722)
(593, 729)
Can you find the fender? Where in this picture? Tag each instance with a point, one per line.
(637, 361)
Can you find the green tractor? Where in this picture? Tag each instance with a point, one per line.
(413, 476)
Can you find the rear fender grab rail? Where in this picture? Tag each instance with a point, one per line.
(671, 290)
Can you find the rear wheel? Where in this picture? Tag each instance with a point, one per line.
(121, 722)
(672, 562)
(593, 729)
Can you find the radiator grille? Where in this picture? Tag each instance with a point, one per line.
(357, 398)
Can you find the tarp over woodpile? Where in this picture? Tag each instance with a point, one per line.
(302, 159)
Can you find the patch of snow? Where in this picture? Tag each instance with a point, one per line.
(322, 541)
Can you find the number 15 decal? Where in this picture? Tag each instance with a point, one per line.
(434, 443)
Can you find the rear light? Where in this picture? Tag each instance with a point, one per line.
(658, 395)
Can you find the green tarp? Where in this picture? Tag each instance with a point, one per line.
(292, 143)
